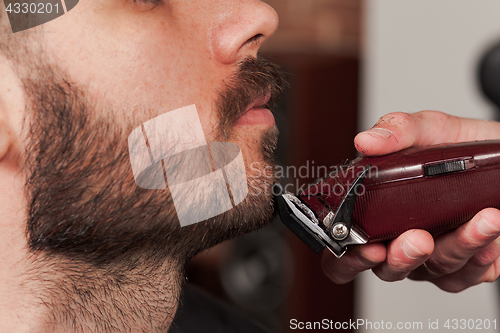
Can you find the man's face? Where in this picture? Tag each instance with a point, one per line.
(135, 54)
(109, 66)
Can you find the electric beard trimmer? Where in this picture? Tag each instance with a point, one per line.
(374, 199)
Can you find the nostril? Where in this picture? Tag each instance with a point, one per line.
(240, 33)
(255, 39)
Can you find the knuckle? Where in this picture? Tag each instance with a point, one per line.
(469, 244)
(442, 267)
(483, 259)
(434, 115)
(395, 118)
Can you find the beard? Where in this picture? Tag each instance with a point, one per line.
(83, 203)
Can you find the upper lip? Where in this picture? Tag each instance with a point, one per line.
(259, 101)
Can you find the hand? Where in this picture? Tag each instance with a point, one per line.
(455, 260)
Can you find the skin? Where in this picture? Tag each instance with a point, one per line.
(133, 57)
(153, 46)
(135, 60)
(454, 261)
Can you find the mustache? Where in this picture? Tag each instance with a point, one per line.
(255, 77)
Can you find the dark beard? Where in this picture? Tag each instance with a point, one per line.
(83, 201)
(255, 77)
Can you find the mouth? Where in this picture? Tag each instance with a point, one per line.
(259, 102)
(256, 113)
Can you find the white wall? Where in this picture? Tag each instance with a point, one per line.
(423, 54)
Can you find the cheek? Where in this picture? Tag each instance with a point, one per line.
(140, 70)
(162, 79)
(133, 65)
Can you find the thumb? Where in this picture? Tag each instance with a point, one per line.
(396, 131)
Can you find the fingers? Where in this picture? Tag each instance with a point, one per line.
(461, 258)
(393, 263)
(466, 256)
(356, 260)
(455, 248)
(482, 267)
(404, 254)
(396, 131)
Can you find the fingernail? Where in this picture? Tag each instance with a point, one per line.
(411, 250)
(486, 228)
(379, 132)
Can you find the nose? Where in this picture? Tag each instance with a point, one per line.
(241, 30)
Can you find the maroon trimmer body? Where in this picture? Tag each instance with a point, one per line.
(433, 188)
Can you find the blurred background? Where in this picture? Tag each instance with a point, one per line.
(349, 62)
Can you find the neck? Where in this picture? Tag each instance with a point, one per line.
(45, 293)
(62, 296)
(79, 298)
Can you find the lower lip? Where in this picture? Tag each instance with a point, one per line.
(257, 116)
